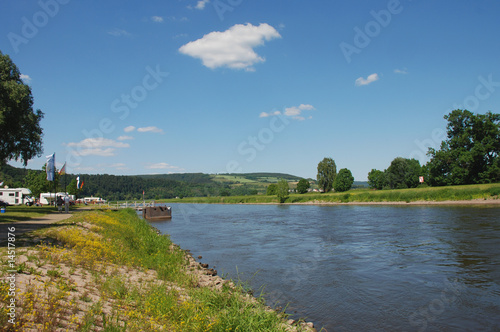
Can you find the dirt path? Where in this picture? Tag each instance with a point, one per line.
(25, 226)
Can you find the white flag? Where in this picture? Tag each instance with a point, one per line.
(77, 182)
(50, 168)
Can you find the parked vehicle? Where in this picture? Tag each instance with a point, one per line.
(16, 196)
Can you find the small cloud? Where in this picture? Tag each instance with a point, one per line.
(164, 166)
(401, 71)
(157, 19)
(119, 33)
(129, 129)
(265, 114)
(25, 78)
(119, 166)
(124, 138)
(103, 147)
(370, 79)
(178, 19)
(233, 48)
(294, 112)
(201, 4)
(151, 129)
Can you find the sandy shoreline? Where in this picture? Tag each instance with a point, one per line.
(495, 202)
(477, 202)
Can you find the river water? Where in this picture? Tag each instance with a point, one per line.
(356, 268)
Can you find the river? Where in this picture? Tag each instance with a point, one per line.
(356, 268)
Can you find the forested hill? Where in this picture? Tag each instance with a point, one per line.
(157, 186)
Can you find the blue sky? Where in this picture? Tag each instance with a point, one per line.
(216, 86)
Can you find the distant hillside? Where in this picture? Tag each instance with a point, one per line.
(158, 186)
(12, 176)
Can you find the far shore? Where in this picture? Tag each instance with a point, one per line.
(318, 202)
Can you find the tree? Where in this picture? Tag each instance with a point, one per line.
(403, 173)
(20, 131)
(343, 180)
(302, 186)
(471, 151)
(272, 189)
(376, 179)
(327, 170)
(282, 190)
(36, 181)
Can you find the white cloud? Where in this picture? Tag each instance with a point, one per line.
(370, 79)
(25, 78)
(124, 138)
(129, 129)
(401, 71)
(103, 147)
(119, 166)
(151, 129)
(157, 19)
(265, 114)
(119, 33)
(296, 111)
(232, 48)
(164, 166)
(201, 4)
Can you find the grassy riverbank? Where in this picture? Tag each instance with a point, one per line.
(110, 271)
(427, 194)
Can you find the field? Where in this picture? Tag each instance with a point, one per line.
(427, 194)
(257, 181)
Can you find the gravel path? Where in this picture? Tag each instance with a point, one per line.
(25, 226)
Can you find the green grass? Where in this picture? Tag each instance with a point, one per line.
(22, 212)
(451, 193)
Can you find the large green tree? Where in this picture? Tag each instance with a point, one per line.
(470, 154)
(282, 190)
(20, 131)
(302, 186)
(327, 170)
(403, 173)
(343, 180)
(376, 179)
(272, 189)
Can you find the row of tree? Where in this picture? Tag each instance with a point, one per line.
(328, 178)
(469, 155)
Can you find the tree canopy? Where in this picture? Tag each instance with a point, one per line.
(302, 186)
(327, 170)
(402, 173)
(282, 190)
(470, 154)
(343, 180)
(20, 131)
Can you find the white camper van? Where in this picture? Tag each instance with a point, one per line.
(16, 196)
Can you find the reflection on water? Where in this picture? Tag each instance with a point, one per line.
(347, 268)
